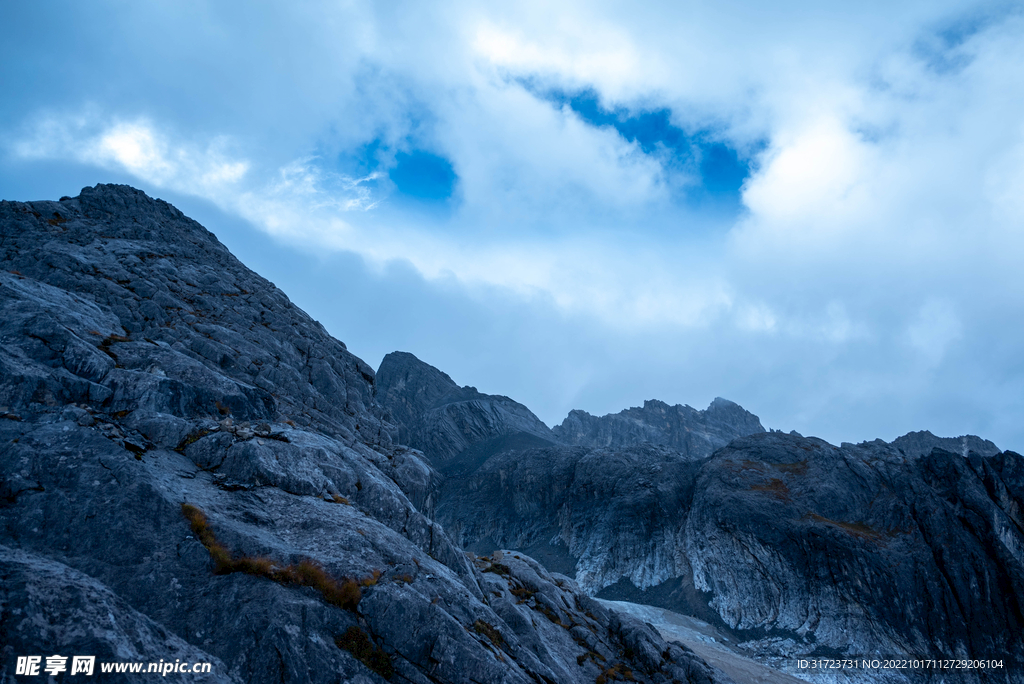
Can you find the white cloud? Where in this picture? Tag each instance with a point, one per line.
(1004, 182)
(757, 318)
(882, 219)
(851, 172)
(578, 53)
(305, 205)
(136, 147)
(811, 173)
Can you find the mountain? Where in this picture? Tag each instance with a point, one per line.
(787, 544)
(194, 470)
(455, 427)
(857, 550)
(917, 444)
(458, 428)
(685, 429)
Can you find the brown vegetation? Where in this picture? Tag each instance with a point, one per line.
(798, 468)
(481, 627)
(617, 672)
(191, 439)
(855, 528)
(370, 579)
(344, 593)
(548, 613)
(499, 569)
(358, 643)
(776, 487)
(522, 593)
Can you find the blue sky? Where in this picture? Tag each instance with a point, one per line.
(816, 210)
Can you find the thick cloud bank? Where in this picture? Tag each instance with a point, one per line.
(814, 211)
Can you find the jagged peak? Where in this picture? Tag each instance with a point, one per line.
(921, 442)
(720, 402)
(399, 361)
(717, 404)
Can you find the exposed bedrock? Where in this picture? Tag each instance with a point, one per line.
(862, 548)
(459, 428)
(143, 367)
(792, 544)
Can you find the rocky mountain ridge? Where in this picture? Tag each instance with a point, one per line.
(792, 546)
(192, 468)
(445, 420)
(459, 427)
(682, 428)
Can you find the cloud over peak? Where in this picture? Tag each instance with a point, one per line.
(832, 188)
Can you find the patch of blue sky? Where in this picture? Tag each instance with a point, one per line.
(721, 169)
(942, 48)
(414, 176)
(423, 176)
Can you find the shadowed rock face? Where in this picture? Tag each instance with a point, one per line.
(917, 444)
(603, 514)
(789, 544)
(459, 428)
(685, 429)
(444, 420)
(143, 367)
(862, 547)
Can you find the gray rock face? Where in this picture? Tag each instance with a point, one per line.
(862, 548)
(789, 544)
(446, 421)
(143, 367)
(126, 302)
(685, 429)
(52, 609)
(602, 514)
(459, 428)
(918, 444)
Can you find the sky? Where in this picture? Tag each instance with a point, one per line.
(813, 209)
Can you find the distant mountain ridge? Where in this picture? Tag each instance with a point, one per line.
(782, 541)
(921, 443)
(696, 433)
(444, 420)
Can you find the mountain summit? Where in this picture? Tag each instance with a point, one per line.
(193, 471)
(443, 419)
(696, 433)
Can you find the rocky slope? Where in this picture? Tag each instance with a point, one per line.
(917, 444)
(191, 468)
(789, 544)
(459, 428)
